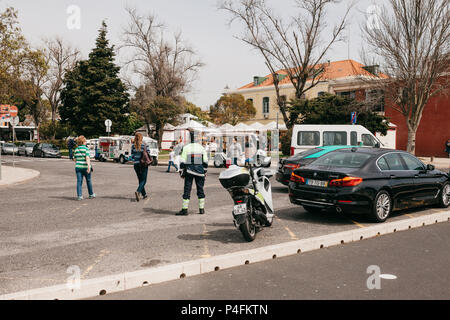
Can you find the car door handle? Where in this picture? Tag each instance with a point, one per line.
(392, 176)
(416, 176)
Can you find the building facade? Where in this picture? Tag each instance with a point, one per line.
(339, 77)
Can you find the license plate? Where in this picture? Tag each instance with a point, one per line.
(317, 183)
(240, 209)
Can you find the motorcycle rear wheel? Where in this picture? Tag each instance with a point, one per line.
(248, 228)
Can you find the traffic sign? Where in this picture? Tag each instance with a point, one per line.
(13, 111)
(14, 121)
(108, 123)
(354, 118)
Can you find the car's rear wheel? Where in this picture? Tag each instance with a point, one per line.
(312, 209)
(444, 196)
(382, 206)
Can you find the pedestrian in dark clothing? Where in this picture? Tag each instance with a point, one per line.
(137, 149)
(70, 145)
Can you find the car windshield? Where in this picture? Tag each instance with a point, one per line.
(153, 145)
(9, 145)
(29, 144)
(343, 159)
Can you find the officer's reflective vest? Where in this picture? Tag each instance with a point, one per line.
(194, 159)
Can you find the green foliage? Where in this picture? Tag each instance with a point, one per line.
(202, 116)
(232, 109)
(94, 92)
(156, 110)
(285, 141)
(331, 109)
(50, 129)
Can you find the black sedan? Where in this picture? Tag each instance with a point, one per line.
(286, 166)
(366, 180)
(46, 150)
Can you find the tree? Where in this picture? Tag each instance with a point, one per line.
(412, 42)
(191, 108)
(165, 69)
(291, 48)
(13, 51)
(332, 109)
(157, 110)
(93, 92)
(232, 109)
(60, 58)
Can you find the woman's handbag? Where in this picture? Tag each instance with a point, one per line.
(146, 160)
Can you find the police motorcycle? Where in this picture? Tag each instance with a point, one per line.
(251, 191)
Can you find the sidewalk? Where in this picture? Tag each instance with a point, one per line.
(16, 175)
(439, 163)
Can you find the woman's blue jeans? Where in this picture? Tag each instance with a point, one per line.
(141, 173)
(80, 174)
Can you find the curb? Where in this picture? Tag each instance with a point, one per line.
(132, 280)
(35, 174)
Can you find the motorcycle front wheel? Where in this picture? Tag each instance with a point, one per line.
(248, 228)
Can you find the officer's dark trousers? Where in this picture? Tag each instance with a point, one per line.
(199, 182)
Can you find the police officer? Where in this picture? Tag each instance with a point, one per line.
(193, 165)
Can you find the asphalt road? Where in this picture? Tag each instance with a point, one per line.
(44, 230)
(419, 259)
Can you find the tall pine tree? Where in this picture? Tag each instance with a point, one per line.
(93, 92)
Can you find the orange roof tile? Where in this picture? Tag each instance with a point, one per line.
(333, 70)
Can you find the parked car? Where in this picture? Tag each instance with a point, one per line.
(310, 136)
(46, 150)
(286, 166)
(368, 180)
(9, 148)
(26, 148)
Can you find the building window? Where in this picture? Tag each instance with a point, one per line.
(321, 94)
(347, 94)
(375, 99)
(251, 100)
(266, 105)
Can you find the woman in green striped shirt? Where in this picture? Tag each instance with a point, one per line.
(83, 168)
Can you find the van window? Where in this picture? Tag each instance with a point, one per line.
(335, 138)
(368, 140)
(308, 138)
(354, 138)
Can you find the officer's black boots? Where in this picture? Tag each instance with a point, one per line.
(202, 211)
(183, 212)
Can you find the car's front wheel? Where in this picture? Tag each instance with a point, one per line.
(444, 196)
(382, 206)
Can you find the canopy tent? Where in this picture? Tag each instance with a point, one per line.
(192, 124)
(273, 126)
(257, 126)
(226, 126)
(243, 127)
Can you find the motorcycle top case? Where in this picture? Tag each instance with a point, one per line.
(234, 177)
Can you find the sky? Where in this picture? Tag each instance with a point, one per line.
(228, 61)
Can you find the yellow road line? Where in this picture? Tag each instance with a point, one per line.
(358, 224)
(206, 253)
(291, 234)
(97, 261)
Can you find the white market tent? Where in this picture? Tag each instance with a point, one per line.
(243, 127)
(226, 126)
(273, 126)
(257, 126)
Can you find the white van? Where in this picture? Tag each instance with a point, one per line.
(119, 148)
(309, 136)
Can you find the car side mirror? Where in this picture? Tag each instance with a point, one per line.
(430, 167)
(377, 145)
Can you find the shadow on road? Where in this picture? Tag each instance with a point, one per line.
(153, 211)
(224, 236)
(280, 189)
